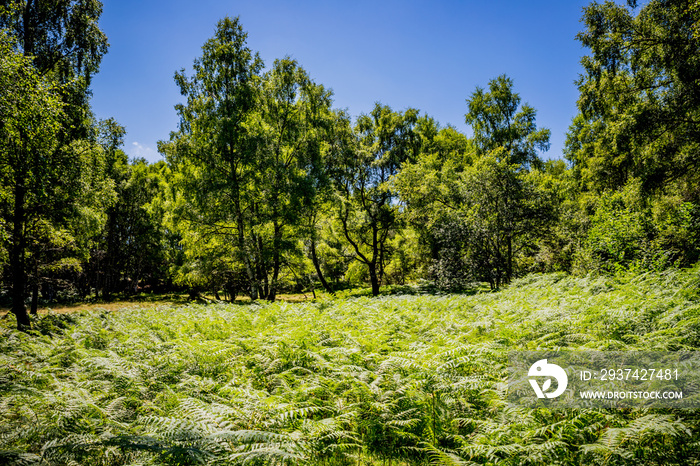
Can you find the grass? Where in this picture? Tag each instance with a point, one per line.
(402, 379)
(147, 300)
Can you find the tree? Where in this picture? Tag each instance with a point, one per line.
(509, 140)
(30, 119)
(63, 45)
(639, 97)
(496, 122)
(479, 220)
(429, 188)
(60, 235)
(323, 247)
(60, 36)
(504, 213)
(64, 40)
(367, 208)
(212, 154)
(478, 203)
(638, 131)
(248, 154)
(105, 254)
(292, 135)
(131, 252)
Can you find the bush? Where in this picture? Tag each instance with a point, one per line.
(631, 231)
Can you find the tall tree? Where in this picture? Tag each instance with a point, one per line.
(30, 119)
(111, 138)
(131, 253)
(64, 40)
(61, 42)
(477, 203)
(639, 95)
(248, 155)
(498, 120)
(505, 211)
(212, 154)
(506, 131)
(367, 209)
(294, 128)
(60, 35)
(430, 188)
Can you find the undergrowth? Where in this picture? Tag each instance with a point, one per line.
(409, 379)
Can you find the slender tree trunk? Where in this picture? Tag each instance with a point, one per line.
(28, 44)
(241, 238)
(509, 271)
(381, 264)
(276, 262)
(35, 299)
(272, 293)
(110, 253)
(17, 270)
(317, 266)
(35, 290)
(261, 269)
(272, 289)
(373, 278)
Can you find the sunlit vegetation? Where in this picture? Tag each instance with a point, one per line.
(267, 189)
(407, 379)
(423, 256)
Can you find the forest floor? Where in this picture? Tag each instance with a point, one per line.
(77, 307)
(146, 301)
(174, 299)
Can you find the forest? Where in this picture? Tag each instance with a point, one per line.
(422, 254)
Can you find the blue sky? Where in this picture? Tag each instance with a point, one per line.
(429, 55)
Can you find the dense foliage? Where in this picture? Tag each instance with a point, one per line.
(266, 188)
(411, 379)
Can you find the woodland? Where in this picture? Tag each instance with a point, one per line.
(424, 254)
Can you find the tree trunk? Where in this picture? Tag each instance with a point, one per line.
(230, 292)
(110, 254)
(276, 262)
(509, 271)
(27, 33)
(317, 266)
(372, 265)
(261, 269)
(35, 289)
(35, 299)
(241, 238)
(17, 271)
(373, 278)
(381, 264)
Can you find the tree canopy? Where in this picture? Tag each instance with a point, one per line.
(640, 98)
(266, 188)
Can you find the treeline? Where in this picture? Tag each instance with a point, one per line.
(267, 188)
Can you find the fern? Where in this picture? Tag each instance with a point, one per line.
(406, 379)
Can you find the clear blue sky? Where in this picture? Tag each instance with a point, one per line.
(428, 55)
